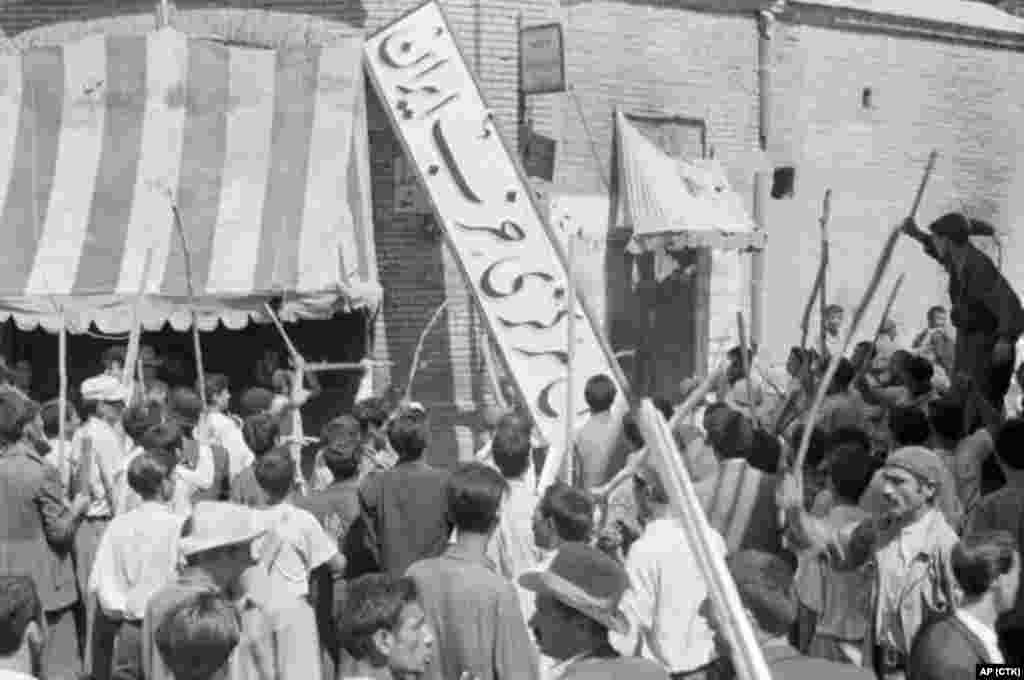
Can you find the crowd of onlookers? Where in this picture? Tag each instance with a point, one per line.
(166, 537)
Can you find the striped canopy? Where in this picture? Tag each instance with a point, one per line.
(262, 154)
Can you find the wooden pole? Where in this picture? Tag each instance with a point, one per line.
(414, 366)
(62, 403)
(876, 279)
(570, 374)
(826, 213)
(748, 660)
(745, 364)
(805, 320)
(132, 355)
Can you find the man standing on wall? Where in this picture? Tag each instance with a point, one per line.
(985, 309)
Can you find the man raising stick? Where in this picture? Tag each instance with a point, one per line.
(985, 310)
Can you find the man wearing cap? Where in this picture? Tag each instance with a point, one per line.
(98, 453)
(204, 467)
(907, 545)
(985, 309)
(279, 635)
(577, 607)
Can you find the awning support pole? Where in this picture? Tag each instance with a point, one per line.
(62, 367)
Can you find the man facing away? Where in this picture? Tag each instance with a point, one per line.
(577, 607)
(406, 508)
(987, 567)
(384, 630)
(598, 446)
(22, 631)
(474, 610)
(198, 636)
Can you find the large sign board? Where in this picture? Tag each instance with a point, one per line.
(507, 252)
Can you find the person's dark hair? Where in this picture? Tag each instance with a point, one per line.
(848, 436)
(665, 407)
(255, 400)
(909, 426)
(342, 464)
(275, 472)
(50, 413)
(511, 449)
(600, 393)
(19, 606)
(932, 311)
(15, 413)
(844, 375)
(146, 474)
(631, 431)
(214, 384)
(373, 602)
(408, 436)
(765, 585)
(260, 432)
(817, 447)
(139, 418)
(370, 412)
(197, 636)
(338, 429)
(570, 510)
(185, 406)
(851, 468)
(946, 417)
(474, 497)
(1010, 444)
(979, 559)
(921, 372)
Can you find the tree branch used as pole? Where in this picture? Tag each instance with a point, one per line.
(414, 366)
(826, 214)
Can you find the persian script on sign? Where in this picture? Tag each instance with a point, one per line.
(507, 253)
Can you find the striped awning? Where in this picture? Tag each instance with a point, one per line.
(263, 153)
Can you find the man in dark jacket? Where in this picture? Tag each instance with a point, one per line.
(985, 310)
(987, 567)
(37, 527)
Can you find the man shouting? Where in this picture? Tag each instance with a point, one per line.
(985, 310)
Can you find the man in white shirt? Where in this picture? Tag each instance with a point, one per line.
(512, 547)
(98, 453)
(223, 429)
(137, 556)
(22, 636)
(667, 589)
(987, 567)
(295, 543)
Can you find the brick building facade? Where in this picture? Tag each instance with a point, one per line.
(857, 98)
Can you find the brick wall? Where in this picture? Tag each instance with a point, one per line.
(951, 93)
(415, 271)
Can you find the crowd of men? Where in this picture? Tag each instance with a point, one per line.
(167, 538)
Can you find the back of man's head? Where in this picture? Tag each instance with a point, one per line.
(765, 585)
(407, 434)
(373, 603)
(600, 393)
(19, 607)
(197, 636)
(1010, 444)
(909, 426)
(980, 559)
(850, 468)
(147, 474)
(475, 492)
(511, 448)
(260, 432)
(946, 417)
(163, 441)
(275, 472)
(570, 510)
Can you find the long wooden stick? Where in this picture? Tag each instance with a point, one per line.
(741, 328)
(869, 294)
(414, 366)
(805, 320)
(826, 214)
(748, 659)
(62, 403)
(196, 344)
(570, 339)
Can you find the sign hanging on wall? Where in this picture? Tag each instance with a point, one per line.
(541, 59)
(506, 251)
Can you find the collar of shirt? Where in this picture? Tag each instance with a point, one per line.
(458, 552)
(918, 538)
(984, 632)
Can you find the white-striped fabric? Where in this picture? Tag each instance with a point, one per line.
(263, 153)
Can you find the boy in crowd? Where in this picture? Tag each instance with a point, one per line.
(261, 432)
(22, 631)
(197, 637)
(564, 515)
